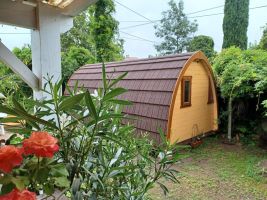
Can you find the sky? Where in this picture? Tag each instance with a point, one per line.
(140, 40)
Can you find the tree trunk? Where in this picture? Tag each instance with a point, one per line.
(230, 111)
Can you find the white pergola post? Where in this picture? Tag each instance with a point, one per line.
(45, 43)
(47, 19)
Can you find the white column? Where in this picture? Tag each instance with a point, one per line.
(45, 42)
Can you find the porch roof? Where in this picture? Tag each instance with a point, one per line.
(23, 13)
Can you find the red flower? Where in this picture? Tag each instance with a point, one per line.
(10, 157)
(41, 144)
(15, 194)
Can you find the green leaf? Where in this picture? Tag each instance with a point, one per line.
(21, 182)
(49, 189)
(116, 157)
(62, 182)
(17, 105)
(117, 80)
(69, 102)
(6, 179)
(10, 119)
(121, 102)
(104, 77)
(5, 189)
(59, 170)
(78, 196)
(33, 120)
(42, 175)
(113, 93)
(90, 105)
(164, 188)
(4, 109)
(75, 185)
(15, 140)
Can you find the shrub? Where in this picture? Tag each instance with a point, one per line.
(104, 159)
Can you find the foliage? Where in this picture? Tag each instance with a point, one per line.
(105, 31)
(24, 54)
(264, 103)
(235, 23)
(74, 58)
(235, 78)
(175, 29)
(8, 82)
(241, 74)
(263, 41)
(103, 158)
(97, 31)
(11, 85)
(34, 172)
(79, 35)
(203, 43)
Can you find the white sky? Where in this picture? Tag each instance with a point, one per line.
(151, 9)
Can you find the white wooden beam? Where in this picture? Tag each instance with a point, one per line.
(17, 14)
(18, 67)
(77, 6)
(45, 43)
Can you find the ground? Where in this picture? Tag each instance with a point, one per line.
(215, 171)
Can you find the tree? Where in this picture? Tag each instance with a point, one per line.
(240, 75)
(263, 41)
(24, 54)
(11, 85)
(97, 31)
(105, 32)
(175, 29)
(235, 23)
(203, 43)
(79, 35)
(73, 59)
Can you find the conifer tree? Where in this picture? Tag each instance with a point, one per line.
(235, 23)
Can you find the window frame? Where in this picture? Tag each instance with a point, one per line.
(210, 93)
(183, 103)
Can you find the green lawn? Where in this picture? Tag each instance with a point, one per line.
(220, 172)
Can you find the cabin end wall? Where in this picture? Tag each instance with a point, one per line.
(200, 117)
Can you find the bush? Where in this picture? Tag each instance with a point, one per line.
(103, 157)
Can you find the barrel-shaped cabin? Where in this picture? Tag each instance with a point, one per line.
(174, 93)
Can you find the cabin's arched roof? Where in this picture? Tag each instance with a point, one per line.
(150, 82)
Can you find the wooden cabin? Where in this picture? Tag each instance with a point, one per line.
(175, 93)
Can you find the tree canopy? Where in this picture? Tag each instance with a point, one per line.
(240, 74)
(97, 31)
(202, 43)
(73, 59)
(175, 29)
(235, 23)
(104, 29)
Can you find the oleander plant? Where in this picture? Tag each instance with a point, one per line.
(76, 143)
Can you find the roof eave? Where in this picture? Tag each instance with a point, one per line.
(77, 6)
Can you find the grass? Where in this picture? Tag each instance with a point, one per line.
(219, 172)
